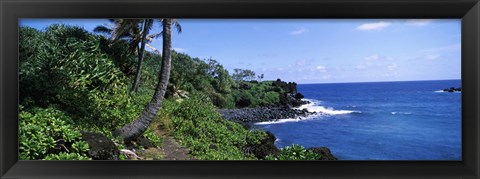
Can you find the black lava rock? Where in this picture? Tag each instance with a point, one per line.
(264, 148)
(325, 153)
(452, 89)
(101, 147)
(142, 141)
(262, 114)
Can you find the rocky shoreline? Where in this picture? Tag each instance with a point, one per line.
(248, 116)
(285, 109)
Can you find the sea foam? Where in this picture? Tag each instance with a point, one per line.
(441, 91)
(395, 113)
(314, 106)
(278, 121)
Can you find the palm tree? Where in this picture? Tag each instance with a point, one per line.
(135, 31)
(147, 25)
(128, 30)
(136, 128)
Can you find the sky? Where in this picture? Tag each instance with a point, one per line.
(316, 50)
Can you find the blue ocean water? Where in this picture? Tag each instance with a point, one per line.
(378, 121)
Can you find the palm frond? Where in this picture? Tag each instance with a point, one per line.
(155, 35)
(102, 29)
(123, 26)
(177, 25)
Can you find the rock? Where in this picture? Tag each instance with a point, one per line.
(261, 114)
(101, 147)
(452, 89)
(325, 153)
(142, 141)
(264, 148)
(299, 96)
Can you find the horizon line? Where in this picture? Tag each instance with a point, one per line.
(374, 81)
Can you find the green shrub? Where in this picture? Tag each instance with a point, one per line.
(66, 156)
(47, 132)
(80, 74)
(198, 126)
(154, 138)
(294, 152)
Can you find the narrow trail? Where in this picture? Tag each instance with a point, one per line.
(173, 151)
(170, 148)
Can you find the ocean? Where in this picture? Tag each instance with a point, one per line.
(412, 120)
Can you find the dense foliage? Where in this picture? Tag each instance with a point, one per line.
(72, 80)
(50, 134)
(294, 152)
(197, 125)
(66, 68)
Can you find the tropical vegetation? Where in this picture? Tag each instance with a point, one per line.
(72, 80)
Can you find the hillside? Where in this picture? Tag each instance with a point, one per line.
(75, 85)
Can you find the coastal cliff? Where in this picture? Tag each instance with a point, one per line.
(290, 99)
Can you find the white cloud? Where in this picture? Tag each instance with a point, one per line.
(180, 50)
(372, 57)
(374, 26)
(327, 77)
(377, 62)
(299, 31)
(433, 56)
(419, 22)
(321, 68)
(302, 62)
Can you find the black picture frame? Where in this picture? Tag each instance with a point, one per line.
(467, 10)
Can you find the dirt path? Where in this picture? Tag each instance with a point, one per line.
(173, 151)
(170, 148)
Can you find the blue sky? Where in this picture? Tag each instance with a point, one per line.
(317, 51)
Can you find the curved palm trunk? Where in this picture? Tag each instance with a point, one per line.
(136, 81)
(137, 127)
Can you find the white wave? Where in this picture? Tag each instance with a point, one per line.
(314, 107)
(311, 102)
(441, 91)
(278, 121)
(329, 111)
(395, 113)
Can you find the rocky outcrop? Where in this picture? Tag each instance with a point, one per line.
(261, 114)
(143, 141)
(452, 89)
(325, 153)
(101, 147)
(264, 148)
(290, 97)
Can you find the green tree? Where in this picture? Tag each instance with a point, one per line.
(243, 75)
(137, 127)
(222, 80)
(260, 77)
(135, 31)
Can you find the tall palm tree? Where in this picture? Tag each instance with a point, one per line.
(136, 128)
(147, 25)
(128, 30)
(135, 31)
